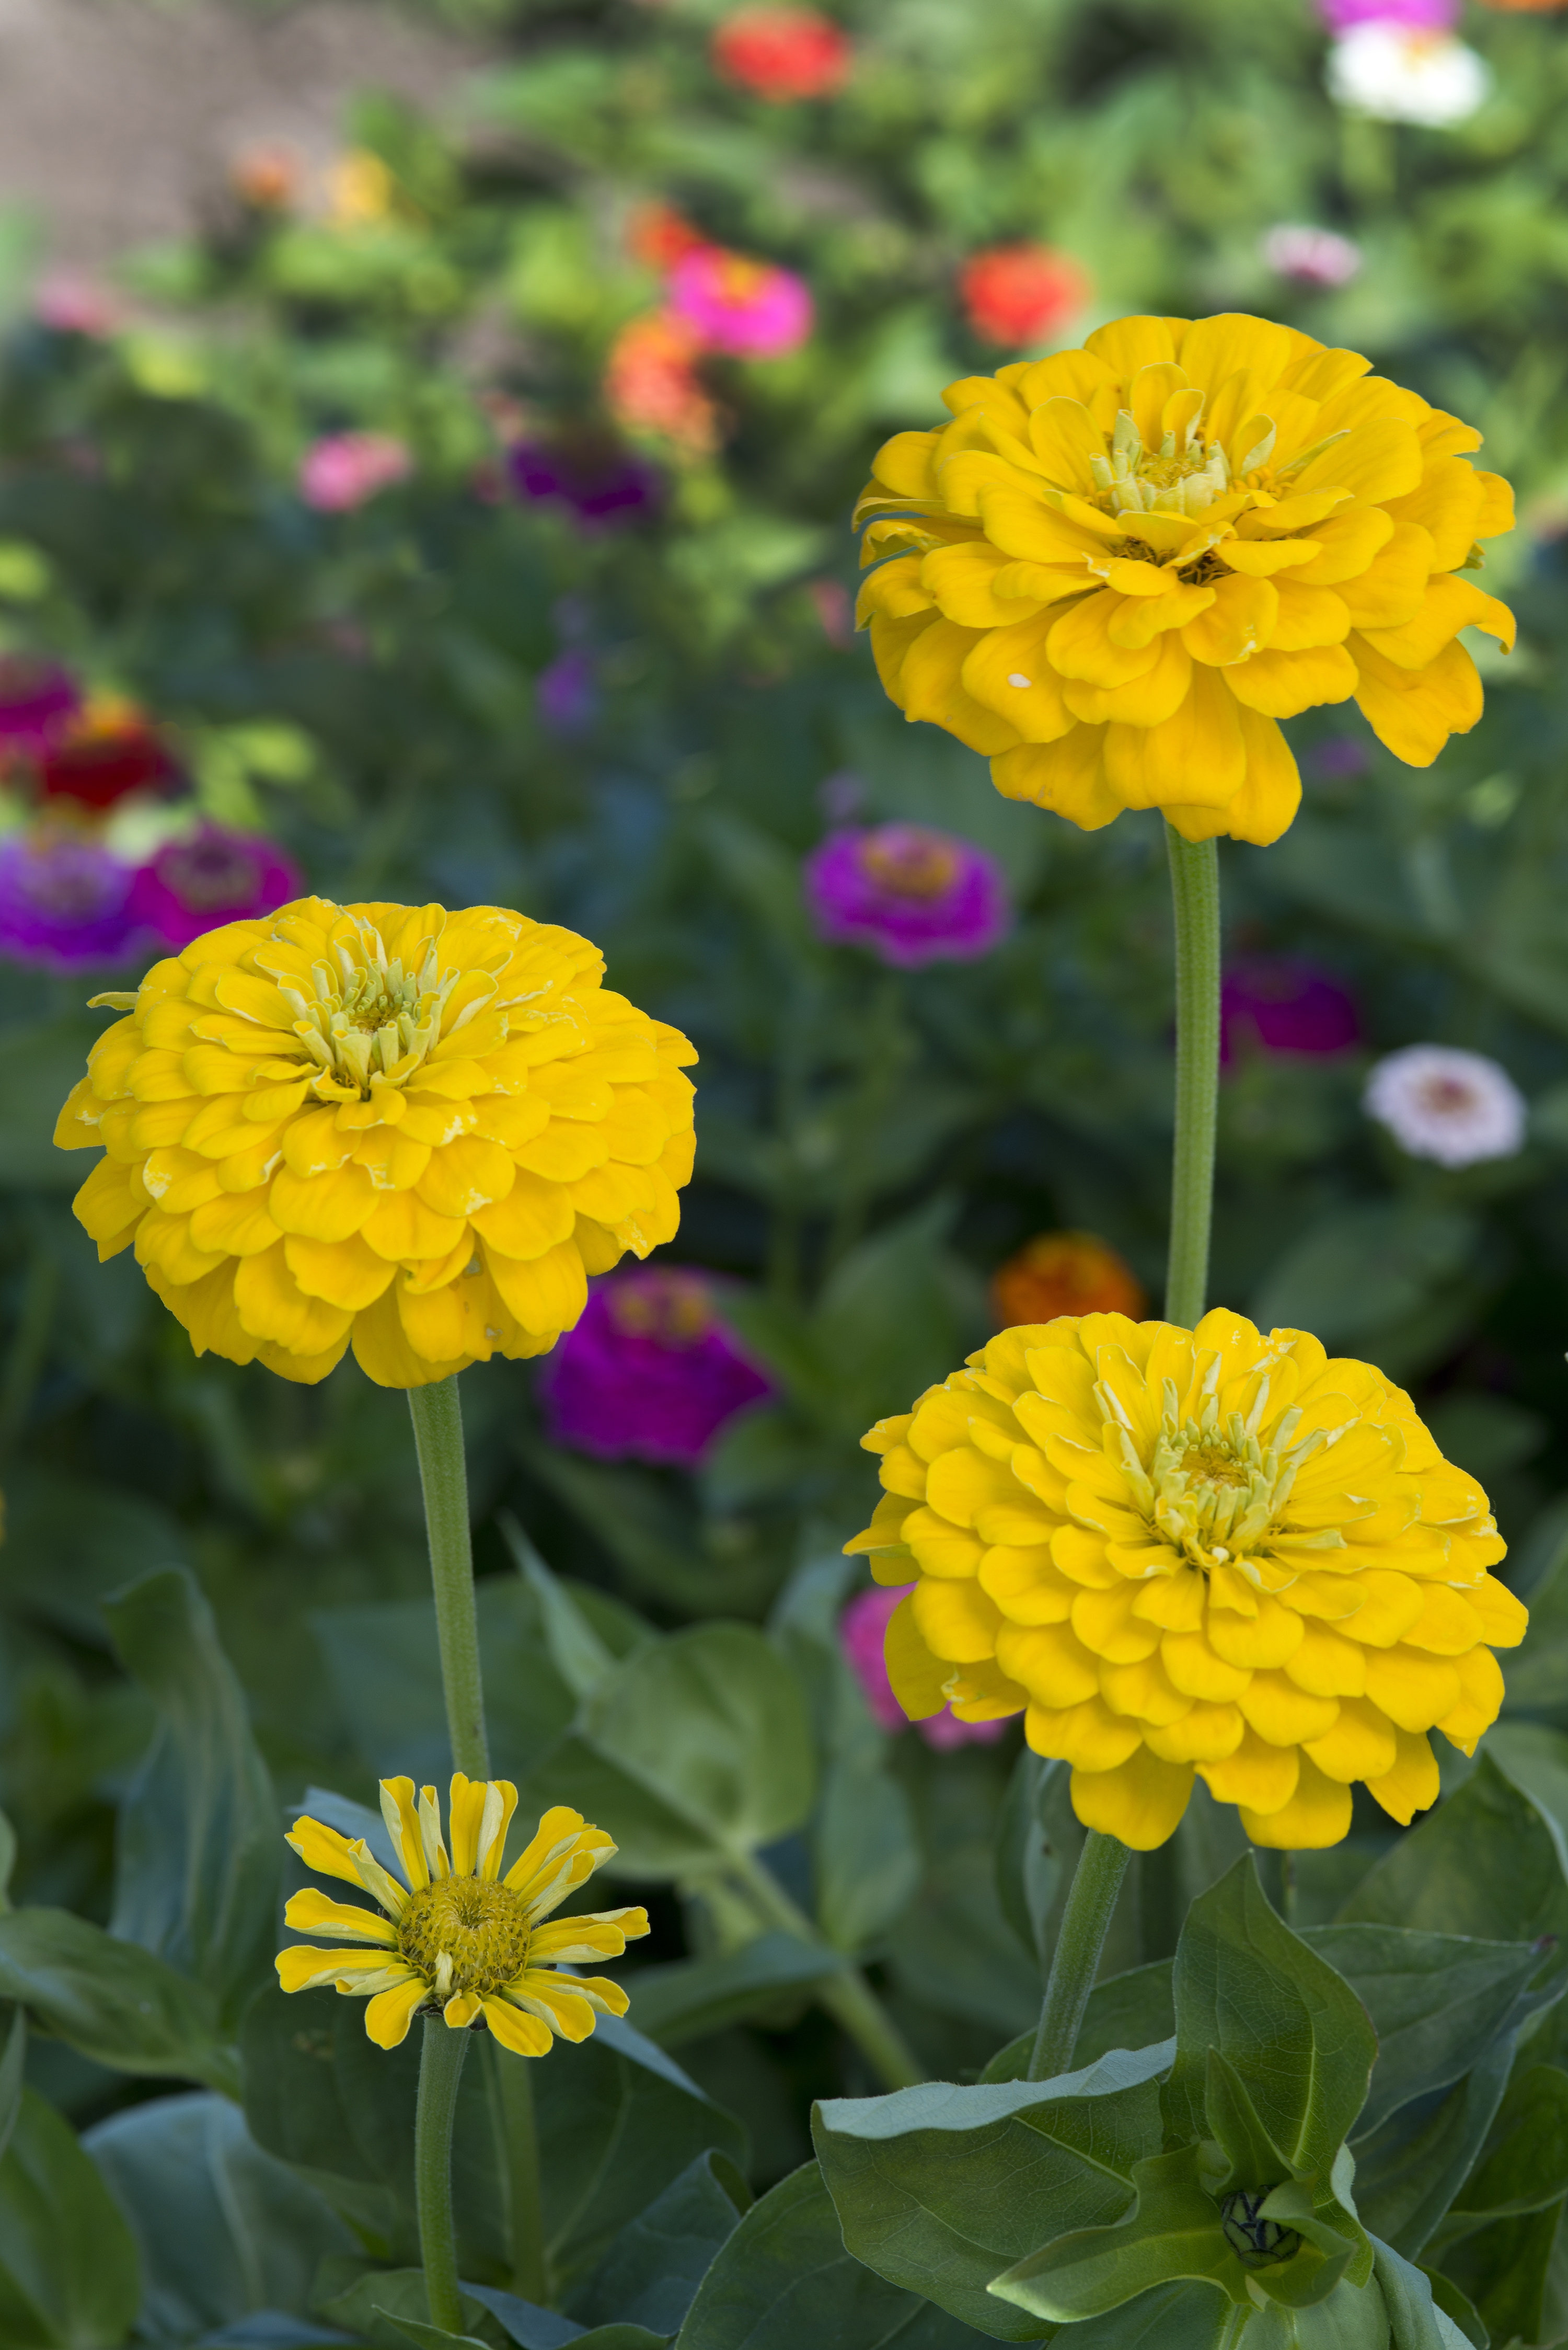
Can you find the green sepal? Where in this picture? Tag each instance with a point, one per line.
(1324, 2256)
(1173, 2232)
(1238, 2151)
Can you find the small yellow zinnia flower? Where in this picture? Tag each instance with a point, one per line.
(458, 1935)
(1192, 1551)
(1117, 567)
(412, 1131)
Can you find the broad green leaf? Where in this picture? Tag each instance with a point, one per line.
(223, 2229)
(867, 1861)
(1294, 2030)
(1456, 2306)
(650, 2272)
(1504, 2271)
(578, 1649)
(1408, 2171)
(111, 2000)
(1172, 2235)
(1366, 1269)
(785, 2280)
(1436, 2000)
(427, 2336)
(198, 1854)
(12, 2067)
(38, 1067)
(687, 1998)
(379, 2304)
(1523, 2165)
(938, 2188)
(1487, 1862)
(1170, 2317)
(1130, 2011)
(524, 2321)
(1028, 1873)
(69, 1543)
(68, 2264)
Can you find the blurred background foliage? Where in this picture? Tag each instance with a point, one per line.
(637, 721)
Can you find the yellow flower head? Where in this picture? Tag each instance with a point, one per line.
(1117, 567)
(458, 1935)
(412, 1131)
(1192, 1549)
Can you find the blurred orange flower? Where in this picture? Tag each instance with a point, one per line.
(651, 383)
(1065, 1273)
(657, 236)
(266, 177)
(1019, 293)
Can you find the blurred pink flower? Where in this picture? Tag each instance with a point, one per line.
(748, 309)
(1342, 17)
(73, 305)
(1312, 257)
(912, 895)
(862, 1630)
(344, 469)
(216, 877)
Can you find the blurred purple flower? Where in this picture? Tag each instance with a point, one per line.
(862, 1632)
(563, 692)
(64, 903)
(601, 483)
(649, 1373)
(37, 700)
(216, 877)
(1281, 1005)
(912, 895)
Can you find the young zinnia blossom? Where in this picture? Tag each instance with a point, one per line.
(1018, 294)
(1192, 1551)
(649, 1373)
(1312, 257)
(344, 470)
(862, 1636)
(392, 1127)
(65, 904)
(106, 751)
(216, 877)
(912, 895)
(1118, 568)
(38, 702)
(748, 309)
(1065, 1273)
(457, 1939)
(1439, 1102)
(1395, 75)
(782, 54)
(1281, 1006)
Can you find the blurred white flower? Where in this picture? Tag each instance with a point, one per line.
(1440, 1103)
(1398, 75)
(1313, 256)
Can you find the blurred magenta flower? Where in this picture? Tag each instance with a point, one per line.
(1277, 1004)
(912, 895)
(216, 877)
(75, 304)
(64, 903)
(862, 1630)
(782, 54)
(1018, 294)
(600, 483)
(1341, 16)
(748, 309)
(650, 1373)
(107, 749)
(1311, 256)
(344, 470)
(37, 700)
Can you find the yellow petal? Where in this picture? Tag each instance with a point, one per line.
(1260, 1776)
(916, 1675)
(1080, 645)
(1196, 757)
(1413, 712)
(1412, 1783)
(524, 2035)
(311, 1912)
(1317, 1814)
(1140, 1802)
(390, 2012)
(1068, 777)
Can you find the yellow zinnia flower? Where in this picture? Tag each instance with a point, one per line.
(1190, 1551)
(413, 1131)
(1117, 567)
(458, 1935)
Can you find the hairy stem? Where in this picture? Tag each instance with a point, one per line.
(441, 2066)
(443, 1475)
(1098, 1880)
(1195, 901)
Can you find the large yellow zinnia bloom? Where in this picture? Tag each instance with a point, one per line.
(457, 1939)
(1192, 1551)
(412, 1131)
(1116, 569)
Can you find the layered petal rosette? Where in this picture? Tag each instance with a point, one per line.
(389, 1127)
(1183, 1553)
(457, 1939)
(1118, 568)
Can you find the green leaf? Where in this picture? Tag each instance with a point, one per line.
(1487, 1862)
(198, 1854)
(785, 2280)
(1523, 2165)
(38, 1067)
(578, 1649)
(1171, 2317)
(12, 2065)
(938, 2188)
(69, 1543)
(1130, 2011)
(867, 1861)
(1366, 1269)
(428, 2336)
(221, 2227)
(688, 1998)
(1294, 2030)
(1457, 2307)
(68, 2264)
(382, 2303)
(1504, 2271)
(111, 2000)
(656, 2263)
(1172, 2235)
(1408, 2171)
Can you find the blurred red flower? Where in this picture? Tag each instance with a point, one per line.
(1018, 294)
(783, 53)
(658, 235)
(106, 751)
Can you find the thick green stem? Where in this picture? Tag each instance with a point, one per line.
(441, 2066)
(1101, 1864)
(1195, 900)
(443, 1474)
(846, 1993)
(530, 2267)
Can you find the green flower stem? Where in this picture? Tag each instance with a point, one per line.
(443, 1474)
(530, 2265)
(441, 2065)
(1195, 900)
(1098, 1880)
(846, 1993)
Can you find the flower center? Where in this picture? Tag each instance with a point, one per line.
(1184, 476)
(1211, 1489)
(465, 1934)
(1448, 1097)
(908, 863)
(369, 1018)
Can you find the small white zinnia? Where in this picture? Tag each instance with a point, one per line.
(1313, 256)
(1438, 1102)
(1398, 74)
